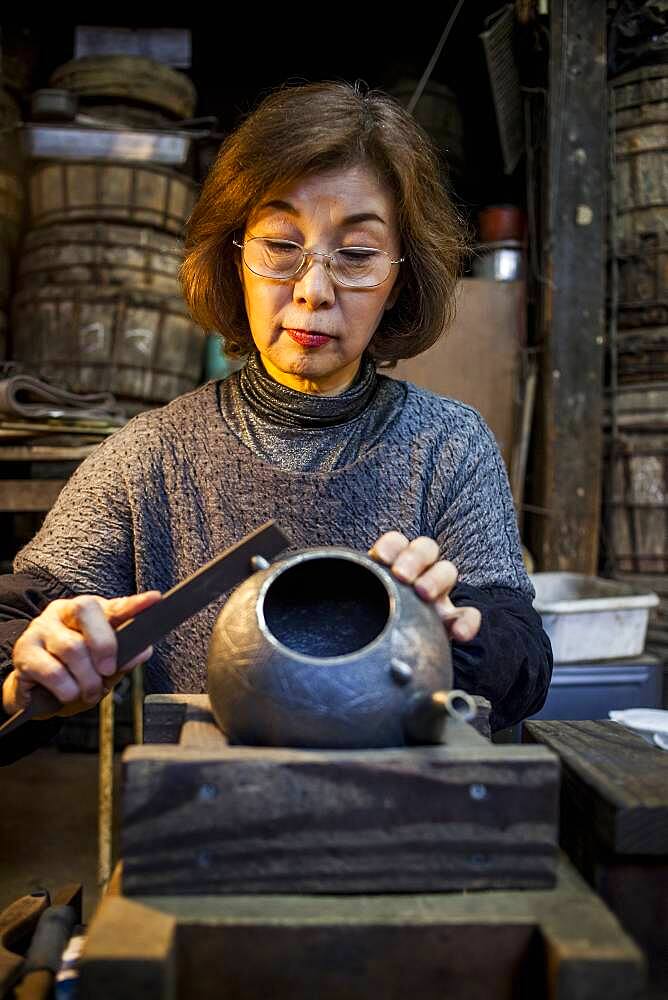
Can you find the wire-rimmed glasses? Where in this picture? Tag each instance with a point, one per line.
(354, 267)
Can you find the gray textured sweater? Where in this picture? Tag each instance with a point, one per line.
(177, 485)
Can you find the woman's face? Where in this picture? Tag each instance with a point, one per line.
(323, 212)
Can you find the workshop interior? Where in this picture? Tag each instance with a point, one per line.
(335, 655)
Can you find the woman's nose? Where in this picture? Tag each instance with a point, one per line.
(314, 286)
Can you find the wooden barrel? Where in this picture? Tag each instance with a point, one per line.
(130, 115)
(10, 146)
(10, 114)
(136, 343)
(133, 77)
(11, 218)
(3, 336)
(636, 500)
(637, 493)
(642, 355)
(439, 114)
(141, 194)
(640, 102)
(101, 254)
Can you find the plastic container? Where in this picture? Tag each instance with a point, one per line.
(588, 618)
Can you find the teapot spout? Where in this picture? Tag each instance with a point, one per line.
(425, 719)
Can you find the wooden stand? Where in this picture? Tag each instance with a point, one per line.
(614, 824)
(204, 817)
(561, 944)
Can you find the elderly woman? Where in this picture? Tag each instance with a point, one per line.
(323, 246)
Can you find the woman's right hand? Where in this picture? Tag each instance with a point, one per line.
(70, 649)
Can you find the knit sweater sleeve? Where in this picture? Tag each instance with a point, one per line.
(475, 522)
(510, 660)
(86, 540)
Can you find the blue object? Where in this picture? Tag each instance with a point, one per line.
(589, 691)
(217, 365)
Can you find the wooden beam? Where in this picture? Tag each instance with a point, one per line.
(560, 943)
(29, 494)
(569, 434)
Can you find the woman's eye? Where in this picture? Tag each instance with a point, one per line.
(281, 246)
(357, 255)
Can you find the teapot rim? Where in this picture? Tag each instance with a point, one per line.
(287, 562)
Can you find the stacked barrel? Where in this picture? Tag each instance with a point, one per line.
(97, 303)
(11, 205)
(637, 446)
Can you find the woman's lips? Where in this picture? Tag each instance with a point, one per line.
(307, 339)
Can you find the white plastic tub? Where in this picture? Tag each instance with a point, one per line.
(588, 618)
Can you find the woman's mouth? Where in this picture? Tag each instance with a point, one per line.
(306, 338)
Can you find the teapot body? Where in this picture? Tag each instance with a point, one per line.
(324, 649)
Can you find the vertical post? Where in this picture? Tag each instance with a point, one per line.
(105, 790)
(137, 678)
(569, 439)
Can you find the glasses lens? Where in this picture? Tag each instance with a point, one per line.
(273, 258)
(360, 266)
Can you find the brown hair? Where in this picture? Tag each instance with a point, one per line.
(301, 130)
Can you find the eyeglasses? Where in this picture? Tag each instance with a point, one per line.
(354, 267)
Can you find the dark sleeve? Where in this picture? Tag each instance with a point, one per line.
(23, 596)
(510, 660)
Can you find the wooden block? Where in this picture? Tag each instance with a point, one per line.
(164, 715)
(614, 823)
(613, 778)
(206, 817)
(561, 943)
(132, 944)
(200, 731)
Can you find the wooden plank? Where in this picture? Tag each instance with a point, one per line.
(614, 825)
(44, 453)
(562, 943)
(200, 730)
(133, 942)
(568, 443)
(261, 819)
(613, 781)
(29, 494)
(164, 715)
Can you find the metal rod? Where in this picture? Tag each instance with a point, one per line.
(424, 79)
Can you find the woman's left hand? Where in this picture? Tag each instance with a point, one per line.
(419, 563)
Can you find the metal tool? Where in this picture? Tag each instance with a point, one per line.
(178, 604)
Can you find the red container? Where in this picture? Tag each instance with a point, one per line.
(501, 222)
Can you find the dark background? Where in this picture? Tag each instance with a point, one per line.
(239, 56)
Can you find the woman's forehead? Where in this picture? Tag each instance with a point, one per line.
(348, 195)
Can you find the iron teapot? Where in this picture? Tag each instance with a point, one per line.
(325, 648)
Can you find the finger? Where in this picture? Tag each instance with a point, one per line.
(463, 624)
(86, 615)
(69, 647)
(388, 546)
(417, 557)
(121, 609)
(437, 581)
(48, 671)
(140, 658)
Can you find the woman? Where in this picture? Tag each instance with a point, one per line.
(323, 245)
